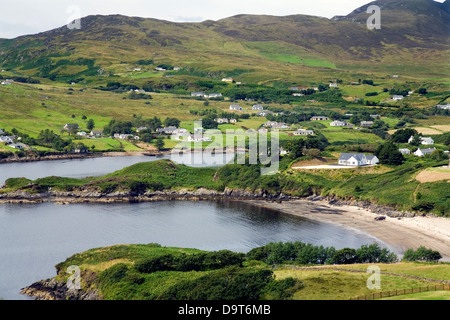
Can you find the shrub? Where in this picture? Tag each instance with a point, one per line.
(422, 254)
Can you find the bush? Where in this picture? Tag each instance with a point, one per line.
(113, 274)
(422, 254)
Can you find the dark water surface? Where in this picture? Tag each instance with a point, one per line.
(34, 238)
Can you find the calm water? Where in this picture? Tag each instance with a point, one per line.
(81, 168)
(34, 238)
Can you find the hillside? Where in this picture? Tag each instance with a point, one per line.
(412, 31)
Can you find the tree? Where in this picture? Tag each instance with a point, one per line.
(208, 122)
(389, 154)
(159, 144)
(171, 122)
(345, 256)
(90, 124)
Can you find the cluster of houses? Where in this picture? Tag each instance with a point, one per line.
(10, 141)
(427, 141)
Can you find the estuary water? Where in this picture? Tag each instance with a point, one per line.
(36, 237)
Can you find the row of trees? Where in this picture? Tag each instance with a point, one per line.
(302, 253)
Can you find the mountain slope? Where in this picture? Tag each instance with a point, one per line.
(414, 33)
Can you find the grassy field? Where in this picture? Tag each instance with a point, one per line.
(117, 273)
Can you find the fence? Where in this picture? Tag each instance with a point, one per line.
(393, 293)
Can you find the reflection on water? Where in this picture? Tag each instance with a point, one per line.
(34, 238)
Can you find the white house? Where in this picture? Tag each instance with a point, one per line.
(427, 141)
(197, 94)
(339, 123)
(357, 159)
(213, 95)
(236, 107)
(258, 107)
(125, 136)
(405, 151)
(264, 113)
(398, 97)
(227, 79)
(221, 120)
(443, 106)
(19, 146)
(97, 133)
(82, 134)
(319, 118)
(303, 132)
(166, 130)
(6, 139)
(423, 152)
(333, 85)
(366, 124)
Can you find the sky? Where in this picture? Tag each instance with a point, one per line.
(22, 17)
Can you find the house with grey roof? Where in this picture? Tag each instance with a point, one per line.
(357, 159)
(424, 152)
(258, 107)
(404, 151)
(366, 124)
(303, 132)
(236, 107)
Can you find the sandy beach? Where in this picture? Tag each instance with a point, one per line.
(399, 234)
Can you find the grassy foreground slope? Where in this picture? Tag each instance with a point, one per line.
(395, 187)
(152, 272)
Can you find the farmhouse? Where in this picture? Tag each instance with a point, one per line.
(166, 130)
(82, 134)
(357, 159)
(97, 133)
(125, 136)
(264, 113)
(405, 151)
(236, 107)
(197, 94)
(19, 146)
(213, 95)
(424, 152)
(303, 132)
(424, 140)
(221, 120)
(366, 124)
(333, 85)
(398, 97)
(258, 107)
(443, 106)
(338, 123)
(319, 118)
(6, 139)
(227, 79)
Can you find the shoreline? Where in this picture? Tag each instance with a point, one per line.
(400, 230)
(401, 233)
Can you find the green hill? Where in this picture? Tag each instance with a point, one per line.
(414, 35)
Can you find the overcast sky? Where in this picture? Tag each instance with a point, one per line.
(21, 17)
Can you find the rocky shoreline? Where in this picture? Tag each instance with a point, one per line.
(63, 198)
